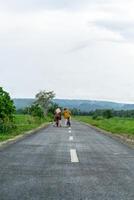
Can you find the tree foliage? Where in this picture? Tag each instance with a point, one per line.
(44, 99)
(36, 111)
(53, 107)
(107, 114)
(7, 107)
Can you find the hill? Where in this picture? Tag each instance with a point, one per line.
(83, 105)
(22, 103)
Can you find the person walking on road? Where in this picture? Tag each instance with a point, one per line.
(67, 117)
(58, 117)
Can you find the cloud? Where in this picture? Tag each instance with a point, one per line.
(124, 28)
(97, 34)
(119, 19)
(31, 5)
(76, 48)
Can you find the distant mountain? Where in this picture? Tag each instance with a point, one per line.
(83, 105)
(22, 103)
(88, 105)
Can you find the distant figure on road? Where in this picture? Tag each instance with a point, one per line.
(57, 117)
(67, 117)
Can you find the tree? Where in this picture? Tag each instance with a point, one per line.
(76, 111)
(7, 109)
(107, 114)
(36, 111)
(53, 107)
(44, 99)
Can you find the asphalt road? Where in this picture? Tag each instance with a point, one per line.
(63, 164)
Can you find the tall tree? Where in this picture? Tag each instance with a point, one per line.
(44, 99)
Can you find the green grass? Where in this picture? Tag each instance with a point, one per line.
(22, 124)
(116, 125)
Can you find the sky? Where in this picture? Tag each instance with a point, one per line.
(80, 49)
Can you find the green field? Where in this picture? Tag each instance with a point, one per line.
(114, 125)
(22, 124)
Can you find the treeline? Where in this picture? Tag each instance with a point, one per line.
(42, 107)
(36, 111)
(105, 113)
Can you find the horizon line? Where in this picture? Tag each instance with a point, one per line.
(78, 99)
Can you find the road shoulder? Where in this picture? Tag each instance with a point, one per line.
(121, 138)
(24, 135)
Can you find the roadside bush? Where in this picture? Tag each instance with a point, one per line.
(95, 116)
(7, 110)
(36, 111)
(107, 114)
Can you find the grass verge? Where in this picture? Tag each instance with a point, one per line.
(23, 123)
(115, 125)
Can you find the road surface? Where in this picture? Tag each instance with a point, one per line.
(67, 164)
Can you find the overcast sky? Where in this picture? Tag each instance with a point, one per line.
(81, 49)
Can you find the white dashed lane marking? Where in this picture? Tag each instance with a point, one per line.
(69, 130)
(74, 157)
(71, 138)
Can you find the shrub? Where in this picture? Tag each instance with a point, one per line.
(7, 110)
(107, 114)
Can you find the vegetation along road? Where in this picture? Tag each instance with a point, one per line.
(123, 127)
(71, 164)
